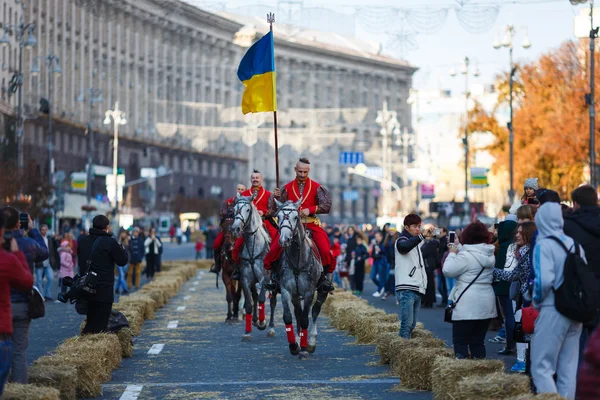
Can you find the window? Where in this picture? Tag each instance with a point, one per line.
(215, 169)
(224, 170)
(204, 167)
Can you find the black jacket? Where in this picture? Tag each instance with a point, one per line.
(583, 225)
(108, 252)
(430, 250)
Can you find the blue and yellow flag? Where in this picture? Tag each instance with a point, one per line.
(257, 73)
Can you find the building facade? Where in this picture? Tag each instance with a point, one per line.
(171, 67)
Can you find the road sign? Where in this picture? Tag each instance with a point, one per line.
(427, 191)
(79, 181)
(350, 195)
(60, 176)
(479, 177)
(352, 157)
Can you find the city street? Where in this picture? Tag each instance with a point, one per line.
(202, 357)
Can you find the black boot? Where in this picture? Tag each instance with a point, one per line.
(271, 283)
(236, 273)
(216, 268)
(326, 284)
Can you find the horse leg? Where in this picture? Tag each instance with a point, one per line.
(316, 310)
(286, 301)
(248, 308)
(261, 325)
(308, 298)
(228, 295)
(273, 302)
(237, 290)
(254, 304)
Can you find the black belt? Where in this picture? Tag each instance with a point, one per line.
(5, 336)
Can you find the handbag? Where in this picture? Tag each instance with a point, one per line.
(37, 306)
(450, 307)
(528, 317)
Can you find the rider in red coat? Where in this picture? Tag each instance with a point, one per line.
(226, 212)
(261, 201)
(315, 200)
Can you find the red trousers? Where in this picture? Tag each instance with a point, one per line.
(237, 247)
(321, 240)
(218, 241)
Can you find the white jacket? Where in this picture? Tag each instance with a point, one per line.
(479, 302)
(409, 273)
(148, 242)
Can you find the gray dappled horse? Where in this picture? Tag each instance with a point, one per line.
(299, 277)
(247, 222)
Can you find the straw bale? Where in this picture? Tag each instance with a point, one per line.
(385, 342)
(91, 372)
(103, 345)
(414, 364)
(63, 379)
(448, 372)
(125, 336)
(144, 301)
(367, 333)
(156, 294)
(17, 391)
(421, 333)
(496, 386)
(540, 396)
(135, 318)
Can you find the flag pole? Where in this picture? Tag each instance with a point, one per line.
(270, 20)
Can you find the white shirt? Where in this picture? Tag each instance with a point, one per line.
(46, 262)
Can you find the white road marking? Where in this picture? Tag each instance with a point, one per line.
(156, 349)
(181, 308)
(187, 297)
(195, 283)
(192, 289)
(172, 324)
(131, 392)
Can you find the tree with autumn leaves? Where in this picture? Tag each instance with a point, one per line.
(551, 122)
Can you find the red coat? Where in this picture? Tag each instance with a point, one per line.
(309, 196)
(336, 250)
(588, 377)
(262, 199)
(15, 273)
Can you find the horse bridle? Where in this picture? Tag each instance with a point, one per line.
(238, 215)
(286, 217)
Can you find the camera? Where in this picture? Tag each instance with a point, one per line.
(24, 219)
(80, 287)
(7, 239)
(451, 237)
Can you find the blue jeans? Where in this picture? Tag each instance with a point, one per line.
(450, 282)
(121, 282)
(336, 278)
(509, 321)
(410, 303)
(380, 273)
(5, 356)
(39, 279)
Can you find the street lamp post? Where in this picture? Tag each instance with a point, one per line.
(20, 30)
(507, 41)
(118, 118)
(53, 68)
(465, 71)
(389, 127)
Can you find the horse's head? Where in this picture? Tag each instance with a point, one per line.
(288, 217)
(242, 214)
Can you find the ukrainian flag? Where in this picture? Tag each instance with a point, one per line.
(257, 73)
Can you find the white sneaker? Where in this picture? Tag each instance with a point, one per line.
(377, 294)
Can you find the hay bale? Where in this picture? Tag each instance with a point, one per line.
(414, 364)
(447, 373)
(385, 342)
(90, 371)
(17, 391)
(540, 396)
(421, 333)
(496, 386)
(135, 318)
(156, 294)
(63, 379)
(103, 345)
(125, 336)
(367, 333)
(144, 302)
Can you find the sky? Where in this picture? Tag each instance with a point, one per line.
(547, 22)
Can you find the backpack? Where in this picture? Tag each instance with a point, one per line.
(578, 298)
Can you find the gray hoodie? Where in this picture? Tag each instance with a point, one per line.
(548, 256)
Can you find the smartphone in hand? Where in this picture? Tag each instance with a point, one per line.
(451, 237)
(24, 219)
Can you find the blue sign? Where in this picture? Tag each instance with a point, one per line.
(352, 157)
(350, 195)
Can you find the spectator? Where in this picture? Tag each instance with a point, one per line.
(46, 268)
(555, 341)
(199, 247)
(351, 242)
(14, 274)
(505, 258)
(430, 250)
(152, 248)
(341, 267)
(66, 264)
(472, 265)
(411, 277)
(583, 225)
(211, 235)
(380, 269)
(531, 185)
(361, 253)
(517, 270)
(172, 232)
(121, 272)
(136, 256)
(103, 252)
(188, 234)
(393, 235)
(526, 213)
(179, 234)
(335, 252)
(441, 279)
(34, 249)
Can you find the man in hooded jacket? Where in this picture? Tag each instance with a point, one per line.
(555, 342)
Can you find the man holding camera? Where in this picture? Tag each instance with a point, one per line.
(14, 273)
(98, 252)
(30, 242)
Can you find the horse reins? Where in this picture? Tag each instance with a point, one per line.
(253, 257)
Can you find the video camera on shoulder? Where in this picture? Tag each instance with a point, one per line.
(80, 287)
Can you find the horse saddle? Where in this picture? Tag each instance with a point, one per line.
(315, 251)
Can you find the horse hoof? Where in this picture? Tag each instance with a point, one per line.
(261, 325)
(294, 349)
(228, 321)
(311, 349)
(303, 355)
(246, 337)
(271, 333)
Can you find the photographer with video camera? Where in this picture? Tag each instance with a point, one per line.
(30, 242)
(14, 273)
(98, 253)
